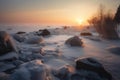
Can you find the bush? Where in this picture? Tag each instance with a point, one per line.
(104, 24)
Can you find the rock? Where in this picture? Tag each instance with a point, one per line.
(4, 76)
(20, 32)
(114, 49)
(34, 40)
(74, 41)
(42, 52)
(86, 34)
(33, 70)
(63, 73)
(9, 56)
(91, 64)
(17, 62)
(86, 75)
(44, 32)
(19, 37)
(6, 43)
(6, 66)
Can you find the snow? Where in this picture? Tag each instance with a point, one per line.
(9, 56)
(58, 54)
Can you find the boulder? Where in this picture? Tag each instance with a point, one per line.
(74, 41)
(6, 43)
(20, 32)
(6, 66)
(114, 49)
(63, 73)
(44, 32)
(86, 34)
(92, 64)
(34, 40)
(86, 75)
(4, 76)
(11, 56)
(33, 70)
(19, 37)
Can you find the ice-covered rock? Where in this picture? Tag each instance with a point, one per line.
(4, 76)
(6, 43)
(17, 62)
(9, 56)
(34, 70)
(28, 56)
(74, 41)
(19, 37)
(86, 75)
(92, 64)
(6, 66)
(34, 40)
(63, 73)
(114, 49)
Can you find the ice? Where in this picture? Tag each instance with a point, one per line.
(93, 46)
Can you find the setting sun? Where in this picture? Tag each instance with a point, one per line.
(79, 21)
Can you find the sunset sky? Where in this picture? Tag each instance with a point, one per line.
(65, 12)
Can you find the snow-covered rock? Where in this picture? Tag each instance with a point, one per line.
(9, 56)
(74, 41)
(92, 64)
(63, 73)
(6, 43)
(86, 75)
(19, 37)
(114, 49)
(34, 40)
(6, 66)
(33, 70)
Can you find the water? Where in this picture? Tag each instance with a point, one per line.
(13, 28)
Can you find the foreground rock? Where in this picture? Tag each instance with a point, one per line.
(6, 43)
(93, 65)
(11, 56)
(6, 66)
(34, 70)
(74, 41)
(86, 75)
(63, 73)
(114, 49)
(4, 76)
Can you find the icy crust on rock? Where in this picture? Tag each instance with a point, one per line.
(32, 70)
